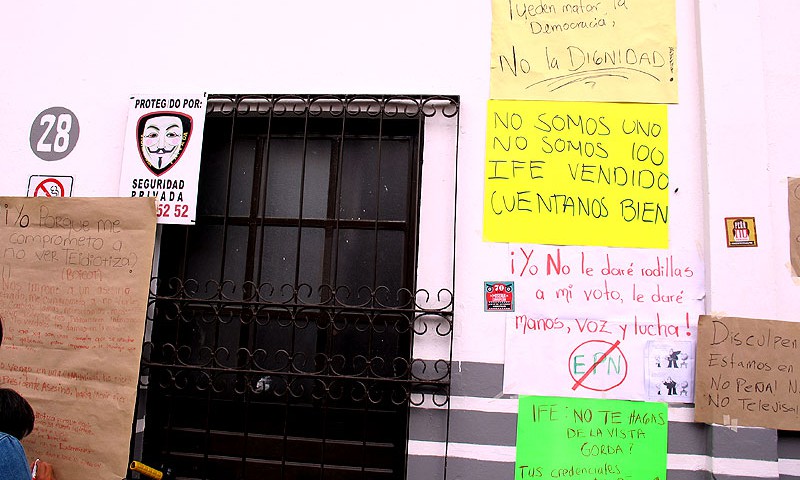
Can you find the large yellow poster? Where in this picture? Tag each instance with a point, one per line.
(576, 173)
(606, 51)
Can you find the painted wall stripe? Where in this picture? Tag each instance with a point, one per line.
(723, 466)
(428, 425)
(489, 453)
(789, 466)
(681, 413)
(431, 468)
(511, 405)
(470, 379)
(475, 404)
(491, 428)
(496, 405)
(687, 438)
(789, 445)
(749, 443)
(499, 429)
(485, 428)
(478, 406)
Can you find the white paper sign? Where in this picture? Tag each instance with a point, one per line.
(603, 323)
(161, 157)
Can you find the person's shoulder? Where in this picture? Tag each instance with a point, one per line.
(13, 463)
(9, 439)
(10, 446)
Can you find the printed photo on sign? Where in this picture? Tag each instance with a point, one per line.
(162, 139)
(670, 371)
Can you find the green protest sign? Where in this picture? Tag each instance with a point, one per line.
(586, 439)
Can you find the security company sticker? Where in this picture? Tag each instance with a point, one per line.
(161, 157)
(741, 231)
(499, 296)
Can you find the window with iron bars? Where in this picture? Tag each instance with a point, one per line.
(284, 322)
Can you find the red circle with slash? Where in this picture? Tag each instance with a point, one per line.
(590, 379)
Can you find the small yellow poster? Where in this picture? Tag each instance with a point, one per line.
(576, 173)
(601, 51)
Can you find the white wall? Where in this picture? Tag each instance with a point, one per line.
(480, 336)
(732, 134)
(90, 57)
(751, 67)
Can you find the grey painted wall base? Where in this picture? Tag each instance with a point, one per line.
(481, 422)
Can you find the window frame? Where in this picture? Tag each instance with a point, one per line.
(417, 378)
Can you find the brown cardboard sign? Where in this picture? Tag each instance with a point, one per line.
(741, 231)
(794, 224)
(748, 372)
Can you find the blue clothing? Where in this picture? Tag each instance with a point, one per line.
(13, 463)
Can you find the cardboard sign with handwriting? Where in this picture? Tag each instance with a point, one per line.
(748, 372)
(74, 281)
(794, 224)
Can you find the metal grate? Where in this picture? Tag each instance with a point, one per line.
(285, 321)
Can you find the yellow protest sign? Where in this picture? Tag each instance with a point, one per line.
(606, 51)
(576, 173)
